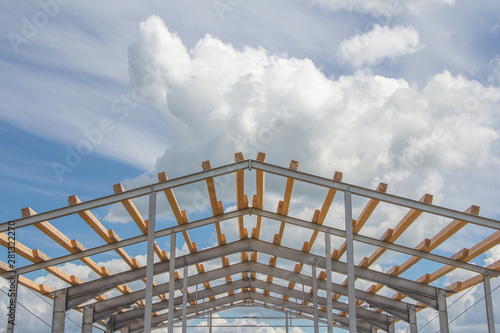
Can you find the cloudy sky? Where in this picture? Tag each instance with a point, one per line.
(401, 92)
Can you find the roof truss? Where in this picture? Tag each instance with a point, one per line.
(127, 309)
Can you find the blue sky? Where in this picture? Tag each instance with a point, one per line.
(400, 92)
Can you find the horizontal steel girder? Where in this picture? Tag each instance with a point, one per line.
(84, 292)
(380, 320)
(215, 172)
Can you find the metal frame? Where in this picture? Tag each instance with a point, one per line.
(312, 306)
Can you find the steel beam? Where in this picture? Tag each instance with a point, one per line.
(150, 262)
(489, 303)
(124, 318)
(83, 292)
(88, 318)
(315, 298)
(128, 242)
(130, 194)
(328, 251)
(443, 311)
(413, 318)
(378, 319)
(127, 317)
(137, 326)
(109, 306)
(184, 299)
(376, 242)
(244, 245)
(171, 289)
(418, 291)
(59, 311)
(11, 308)
(350, 262)
(372, 194)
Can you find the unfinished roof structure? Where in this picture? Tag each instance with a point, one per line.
(252, 268)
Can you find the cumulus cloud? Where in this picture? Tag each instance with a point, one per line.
(219, 100)
(379, 44)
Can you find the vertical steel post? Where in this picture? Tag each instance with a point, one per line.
(184, 299)
(489, 303)
(351, 291)
(11, 308)
(286, 322)
(88, 318)
(171, 284)
(412, 311)
(328, 253)
(392, 329)
(443, 311)
(59, 311)
(315, 298)
(148, 309)
(210, 322)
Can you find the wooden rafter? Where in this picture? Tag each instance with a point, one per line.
(109, 236)
(139, 220)
(426, 245)
(217, 209)
(283, 207)
(181, 218)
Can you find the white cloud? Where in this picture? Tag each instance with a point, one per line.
(220, 100)
(378, 44)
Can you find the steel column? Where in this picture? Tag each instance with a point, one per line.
(391, 327)
(489, 303)
(443, 311)
(412, 310)
(210, 322)
(315, 299)
(88, 318)
(286, 322)
(351, 291)
(11, 309)
(171, 286)
(59, 311)
(328, 252)
(148, 309)
(184, 299)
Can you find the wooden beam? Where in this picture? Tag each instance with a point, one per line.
(217, 209)
(241, 198)
(109, 236)
(362, 219)
(470, 254)
(72, 246)
(391, 235)
(97, 226)
(36, 256)
(283, 207)
(428, 246)
(462, 285)
(324, 209)
(39, 288)
(132, 210)
(181, 218)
